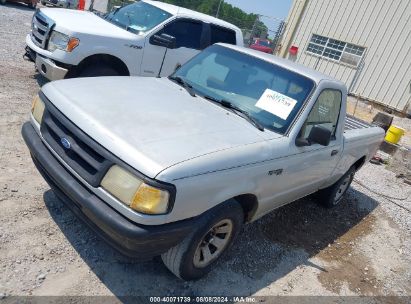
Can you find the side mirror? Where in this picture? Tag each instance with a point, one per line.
(115, 8)
(318, 135)
(163, 40)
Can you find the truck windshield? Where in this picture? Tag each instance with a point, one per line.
(272, 95)
(137, 17)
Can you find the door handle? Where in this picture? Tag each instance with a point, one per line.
(334, 152)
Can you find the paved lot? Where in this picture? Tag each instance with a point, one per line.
(360, 248)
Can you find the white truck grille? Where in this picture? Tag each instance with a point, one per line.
(40, 29)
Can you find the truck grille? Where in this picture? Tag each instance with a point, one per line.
(82, 154)
(40, 29)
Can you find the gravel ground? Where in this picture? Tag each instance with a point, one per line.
(359, 248)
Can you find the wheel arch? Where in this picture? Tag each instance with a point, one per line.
(359, 163)
(249, 204)
(113, 61)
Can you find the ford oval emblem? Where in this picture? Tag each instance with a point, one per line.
(65, 142)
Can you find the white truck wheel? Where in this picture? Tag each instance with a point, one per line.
(195, 256)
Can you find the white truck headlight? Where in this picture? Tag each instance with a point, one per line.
(37, 108)
(62, 42)
(133, 192)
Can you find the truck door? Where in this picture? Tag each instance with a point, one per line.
(189, 42)
(309, 167)
(316, 163)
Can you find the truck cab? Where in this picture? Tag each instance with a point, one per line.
(70, 43)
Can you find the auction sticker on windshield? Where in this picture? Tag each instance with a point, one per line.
(276, 103)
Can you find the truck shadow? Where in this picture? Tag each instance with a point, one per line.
(266, 250)
(41, 80)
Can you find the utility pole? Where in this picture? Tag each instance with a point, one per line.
(218, 10)
(254, 28)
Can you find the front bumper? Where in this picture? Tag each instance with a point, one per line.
(49, 69)
(129, 238)
(46, 66)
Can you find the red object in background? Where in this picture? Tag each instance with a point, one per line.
(262, 45)
(81, 4)
(293, 50)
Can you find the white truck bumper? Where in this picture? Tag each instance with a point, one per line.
(45, 65)
(49, 69)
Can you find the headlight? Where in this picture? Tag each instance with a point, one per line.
(62, 42)
(134, 192)
(37, 108)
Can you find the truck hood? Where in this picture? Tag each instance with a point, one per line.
(149, 123)
(83, 22)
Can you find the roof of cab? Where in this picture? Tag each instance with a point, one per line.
(285, 63)
(180, 11)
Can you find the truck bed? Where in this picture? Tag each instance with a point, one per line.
(360, 138)
(352, 123)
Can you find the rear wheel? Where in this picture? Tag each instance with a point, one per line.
(2, 2)
(333, 195)
(195, 256)
(98, 70)
(33, 5)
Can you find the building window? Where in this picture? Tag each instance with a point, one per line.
(337, 50)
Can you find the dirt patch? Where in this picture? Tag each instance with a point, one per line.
(352, 268)
(344, 246)
(311, 227)
(331, 236)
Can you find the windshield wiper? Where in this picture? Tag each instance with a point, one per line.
(187, 86)
(240, 112)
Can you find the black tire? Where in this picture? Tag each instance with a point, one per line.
(98, 70)
(180, 260)
(333, 195)
(43, 3)
(2, 2)
(32, 6)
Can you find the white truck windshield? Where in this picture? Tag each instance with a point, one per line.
(138, 17)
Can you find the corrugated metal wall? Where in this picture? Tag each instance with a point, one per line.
(382, 27)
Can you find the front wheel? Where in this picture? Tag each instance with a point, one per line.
(195, 256)
(333, 195)
(98, 70)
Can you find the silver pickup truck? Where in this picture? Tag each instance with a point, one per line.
(175, 166)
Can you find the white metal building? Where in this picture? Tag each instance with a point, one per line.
(364, 43)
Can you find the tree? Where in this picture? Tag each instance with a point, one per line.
(227, 13)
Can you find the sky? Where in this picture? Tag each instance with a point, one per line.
(273, 8)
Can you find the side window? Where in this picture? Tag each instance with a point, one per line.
(325, 112)
(187, 33)
(221, 34)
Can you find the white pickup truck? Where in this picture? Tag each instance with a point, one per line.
(175, 166)
(127, 41)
